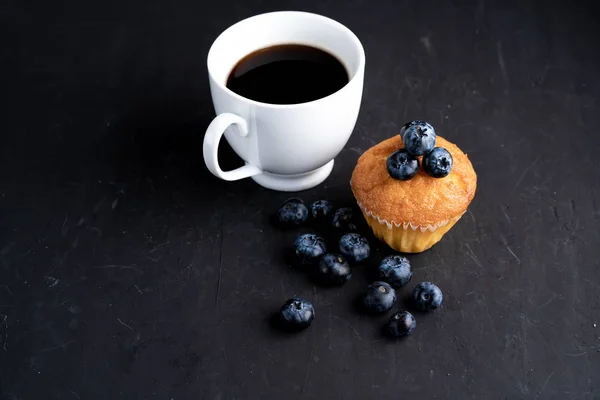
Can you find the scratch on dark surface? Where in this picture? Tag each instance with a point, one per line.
(75, 394)
(523, 175)
(501, 61)
(472, 216)
(282, 286)
(62, 303)
(151, 184)
(333, 346)
(576, 354)
(356, 150)
(97, 206)
(482, 300)
(266, 378)
(124, 324)
(355, 331)
(523, 338)
(120, 267)
(573, 206)
(51, 281)
(548, 302)
(63, 227)
(428, 45)
(409, 84)
(138, 289)
(159, 246)
(544, 385)
(473, 256)
(220, 266)
(255, 290)
(114, 203)
(513, 254)
(442, 262)
(506, 214)
(308, 365)
(60, 346)
(225, 358)
(555, 210)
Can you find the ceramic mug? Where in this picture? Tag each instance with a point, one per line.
(285, 147)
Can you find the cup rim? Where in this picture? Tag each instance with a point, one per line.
(353, 77)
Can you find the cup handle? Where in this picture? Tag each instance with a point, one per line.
(212, 137)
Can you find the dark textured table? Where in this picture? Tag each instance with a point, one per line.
(128, 271)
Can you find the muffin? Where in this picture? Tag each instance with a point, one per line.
(411, 215)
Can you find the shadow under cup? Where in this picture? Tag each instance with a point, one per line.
(286, 147)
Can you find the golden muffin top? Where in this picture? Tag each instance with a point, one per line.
(422, 200)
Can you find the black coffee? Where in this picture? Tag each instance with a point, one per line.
(287, 74)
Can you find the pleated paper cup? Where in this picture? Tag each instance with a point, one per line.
(406, 237)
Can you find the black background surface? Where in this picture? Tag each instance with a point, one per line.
(128, 271)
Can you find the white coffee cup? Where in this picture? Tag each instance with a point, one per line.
(285, 147)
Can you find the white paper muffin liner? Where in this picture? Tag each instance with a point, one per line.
(407, 225)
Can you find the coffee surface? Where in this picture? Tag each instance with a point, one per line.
(287, 74)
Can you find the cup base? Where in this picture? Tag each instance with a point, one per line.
(294, 183)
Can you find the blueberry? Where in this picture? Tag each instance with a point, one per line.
(297, 314)
(419, 138)
(333, 270)
(344, 219)
(411, 123)
(379, 298)
(321, 209)
(354, 247)
(292, 212)
(401, 324)
(307, 250)
(427, 296)
(395, 270)
(438, 163)
(402, 165)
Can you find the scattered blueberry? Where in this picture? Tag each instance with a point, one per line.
(344, 219)
(427, 296)
(438, 163)
(292, 212)
(402, 165)
(333, 270)
(308, 249)
(395, 270)
(297, 314)
(419, 138)
(379, 298)
(354, 247)
(321, 209)
(401, 324)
